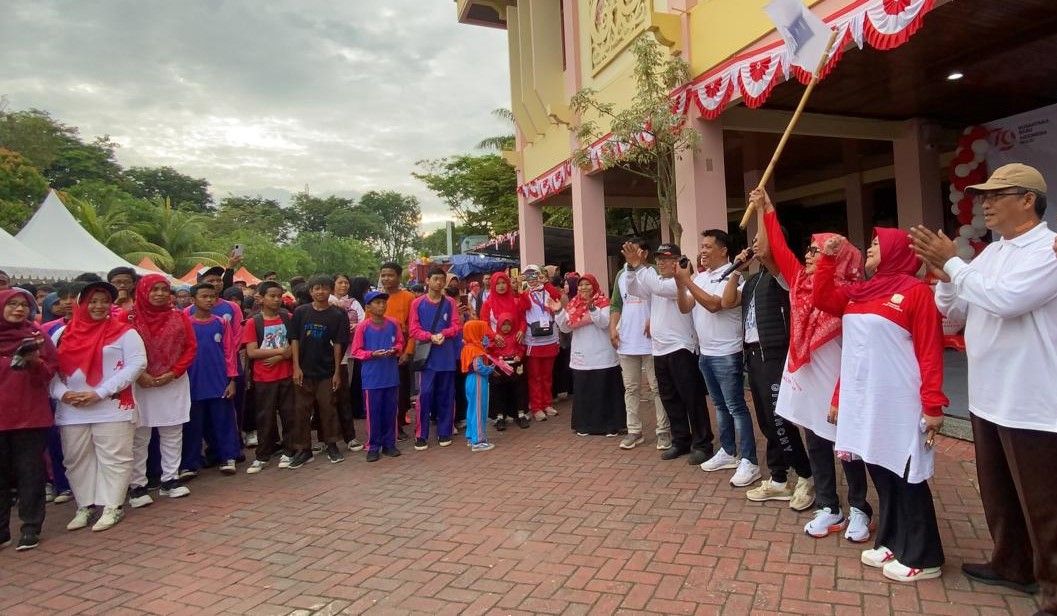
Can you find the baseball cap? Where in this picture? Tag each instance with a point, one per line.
(110, 289)
(668, 250)
(210, 271)
(1013, 175)
(373, 295)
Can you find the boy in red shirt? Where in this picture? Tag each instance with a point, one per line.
(267, 346)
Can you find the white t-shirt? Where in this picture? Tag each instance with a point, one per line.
(718, 333)
(670, 329)
(634, 314)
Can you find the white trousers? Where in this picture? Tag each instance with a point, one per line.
(98, 460)
(170, 441)
(632, 367)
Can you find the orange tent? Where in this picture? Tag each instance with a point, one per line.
(191, 277)
(148, 263)
(244, 275)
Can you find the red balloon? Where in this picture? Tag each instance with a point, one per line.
(963, 156)
(977, 132)
(965, 218)
(966, 205)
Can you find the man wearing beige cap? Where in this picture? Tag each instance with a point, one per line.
(1008, 298)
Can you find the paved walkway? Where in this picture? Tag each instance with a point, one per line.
(546, 523)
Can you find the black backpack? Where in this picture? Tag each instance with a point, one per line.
(258, 326)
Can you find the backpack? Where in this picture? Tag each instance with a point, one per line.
(258, 326)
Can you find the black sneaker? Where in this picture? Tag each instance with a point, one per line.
(301, 458)
(28, 541)
(5, 540)
(153, 483)
(139, 497)
(672, 453)
(391, 452)
(401, 435)
(523, 421)
(420, 444)
(983, 573)
(697, 457)
(334, 454)
(373, 456)
(500, 424)
(444, 442)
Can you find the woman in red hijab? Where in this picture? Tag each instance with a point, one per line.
(503, 312)
(890, 401)
(598, 406)
(100, 357)
(163, 391)
(27, 363)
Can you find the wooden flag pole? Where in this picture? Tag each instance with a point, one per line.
(789, 129)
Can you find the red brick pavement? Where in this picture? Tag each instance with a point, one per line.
(546, 523)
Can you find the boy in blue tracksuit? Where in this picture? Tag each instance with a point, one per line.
(212, 375)
(435, 322)
(378, 343)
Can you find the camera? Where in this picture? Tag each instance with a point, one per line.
(684, 262)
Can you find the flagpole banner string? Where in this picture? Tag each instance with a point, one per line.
(753, 75)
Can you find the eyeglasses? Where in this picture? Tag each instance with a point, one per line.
(991, 197)
(813, 250)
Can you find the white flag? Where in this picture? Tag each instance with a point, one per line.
(805, 34)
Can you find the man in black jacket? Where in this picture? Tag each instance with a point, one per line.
(764, 302)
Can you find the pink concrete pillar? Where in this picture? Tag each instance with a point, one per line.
(919, 198)
(700, 186)
(530, 230)
(589, 226)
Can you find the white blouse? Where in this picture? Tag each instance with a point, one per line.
(591, 348)
(123, 361)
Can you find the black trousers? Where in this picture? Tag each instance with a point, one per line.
(507, 395)
(824, 470)
(785, 448)
(907, 520)
(350, 396)
(275, 406)
(683, 393)
(460, 396)
(1015, 467)
(22, 467)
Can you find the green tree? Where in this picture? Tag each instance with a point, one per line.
(22, 187)
(311, 212)
(649, 113)
(33, 134)
(109, 223)
(337, 255)
(401, 214)
(255, 214)
(262, 254)
(185, 192)
(434, 243)
(481, 190)
(500, 142)
(176, 239)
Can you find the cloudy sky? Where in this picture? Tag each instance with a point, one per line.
(263, 96)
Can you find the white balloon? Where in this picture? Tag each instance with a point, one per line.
(978, 223)
(978, 210)
(955, 210)
(966, 231)
(980, 147)
(961, 170)
(967, 253)
(956, 195)
(961, 241)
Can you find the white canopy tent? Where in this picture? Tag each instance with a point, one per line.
(54, 230)
(21, 261)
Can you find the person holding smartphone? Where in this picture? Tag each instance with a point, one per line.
(27, 362)
(378, 342)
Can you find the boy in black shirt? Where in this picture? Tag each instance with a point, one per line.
(319, 335)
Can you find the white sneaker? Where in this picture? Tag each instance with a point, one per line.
(895, 570)
(250, 438)
(110, 517)
(720, 461)
(747, 474)
(256, 466)
(284, 461)
(550, 411)
(803, 495)
(877, 557)
(228, 468)
(80, 519)
(664, 441)
(539, 415)
(482, 447)
(139, 498)
(824, 523)
(769, 490)
(858, 526)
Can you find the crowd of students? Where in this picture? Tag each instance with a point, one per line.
(130, 383)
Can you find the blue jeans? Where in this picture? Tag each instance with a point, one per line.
(726, 385)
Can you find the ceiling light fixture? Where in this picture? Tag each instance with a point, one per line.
(954, 76)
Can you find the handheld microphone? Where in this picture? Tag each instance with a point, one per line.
(749, 254)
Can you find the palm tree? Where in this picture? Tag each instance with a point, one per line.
(500, 142)
(174, 238)
(109, 225)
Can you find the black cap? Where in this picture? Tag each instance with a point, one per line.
(98, 286)
(210, 271)
(668, 250)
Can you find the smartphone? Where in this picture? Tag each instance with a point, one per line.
(237, 250)
(27, 346)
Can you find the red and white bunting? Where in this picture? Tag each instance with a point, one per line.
(550, 183)
(883, 24)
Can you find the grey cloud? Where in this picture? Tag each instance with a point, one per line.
(264, 96)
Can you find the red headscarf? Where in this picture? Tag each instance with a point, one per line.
(895, 273)
(510, 346)
(577, 307)
(473, 334)
(12, 334)
(161, 327)
(82, 342)
(501, 303)
(810, 328)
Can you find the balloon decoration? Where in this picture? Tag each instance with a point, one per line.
(969, 167)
